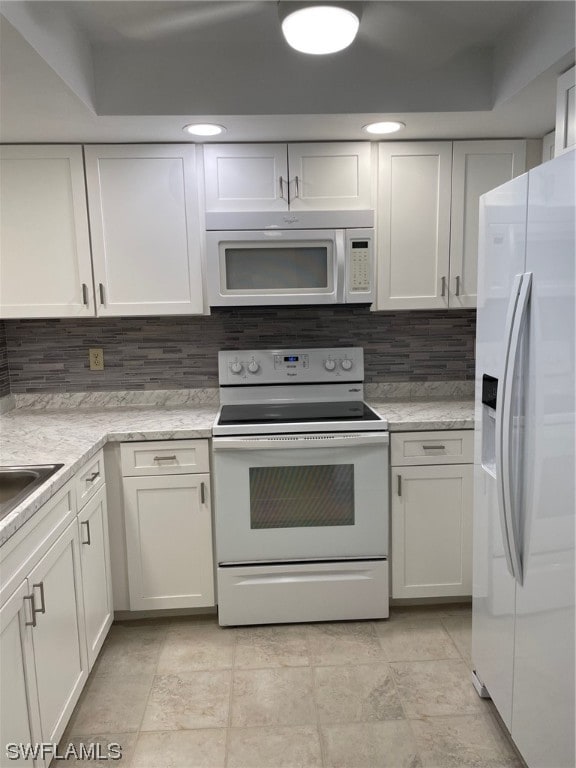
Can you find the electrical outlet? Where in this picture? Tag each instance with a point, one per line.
(96, 357)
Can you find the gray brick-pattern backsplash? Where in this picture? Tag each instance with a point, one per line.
(4, 374)
(181, 352)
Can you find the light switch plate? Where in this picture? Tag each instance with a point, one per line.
(96, 357)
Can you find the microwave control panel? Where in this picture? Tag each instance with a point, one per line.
(360, 265)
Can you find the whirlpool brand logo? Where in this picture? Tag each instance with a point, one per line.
(290, 219)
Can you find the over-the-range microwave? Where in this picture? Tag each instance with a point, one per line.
(291, 259)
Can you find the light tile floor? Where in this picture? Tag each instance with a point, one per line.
(185, 693)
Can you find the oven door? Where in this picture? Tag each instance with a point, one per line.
(275, 267)
(301, 497)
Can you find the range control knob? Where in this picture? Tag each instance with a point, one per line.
(346, 364)
(236, 367)
(329, 364)
(253, 366)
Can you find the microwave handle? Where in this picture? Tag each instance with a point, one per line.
(340, 243)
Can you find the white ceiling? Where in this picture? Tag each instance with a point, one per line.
(138, 71)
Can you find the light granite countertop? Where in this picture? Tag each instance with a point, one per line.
(72, 435)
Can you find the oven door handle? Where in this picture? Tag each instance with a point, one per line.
(284, 442)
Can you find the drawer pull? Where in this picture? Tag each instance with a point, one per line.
(88, 539)
(32, 610)
(434, 447)
(92, 477)
(42, 608)
(399, 485)
(202, 493)
(164, 458)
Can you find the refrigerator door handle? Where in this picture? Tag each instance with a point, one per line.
(500, 410)
(511, 513)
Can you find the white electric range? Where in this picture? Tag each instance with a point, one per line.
(301, 489)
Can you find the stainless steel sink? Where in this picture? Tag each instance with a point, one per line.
(16, 483)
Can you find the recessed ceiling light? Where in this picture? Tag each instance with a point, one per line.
(204, 129)
(320, 29)
(389, 126)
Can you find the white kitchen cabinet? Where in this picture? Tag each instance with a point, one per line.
(565, 136)
(428, 218)
(144, 222)
(96, 578)
(167, 513)
(548, 142)
(477, 167)
(431, 515)
(320, 176)
(45, 269)
(20, 719)
(413, 224)
(58, 636)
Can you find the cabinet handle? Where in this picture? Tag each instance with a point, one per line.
(457, 291)
(164, 458)
(434, 447)
(92, 477)
(101, 289)
(202, 493)
(32, 610)
(443, 286)
(399, 485)
(88, 539)
(297, 182)
(282, 188)
(42, 608)
(85, 294)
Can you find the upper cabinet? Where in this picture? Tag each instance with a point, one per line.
(45, 269)
(319, 176)
(477, 167)
(145, 230)
(565, 138)
(427, 218)
(413, 224)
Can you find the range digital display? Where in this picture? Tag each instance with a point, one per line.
(291, 359)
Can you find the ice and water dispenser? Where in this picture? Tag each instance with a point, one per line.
(489, 400)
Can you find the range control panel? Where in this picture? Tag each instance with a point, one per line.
(274, 366)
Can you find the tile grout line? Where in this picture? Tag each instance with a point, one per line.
(230, 697)
(319, 731)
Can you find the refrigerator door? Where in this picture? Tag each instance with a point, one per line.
(544, 690)
(501, 258)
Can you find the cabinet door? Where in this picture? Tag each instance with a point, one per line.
(145, 229)
(58, 637)
(45, 269)
(565, 137)
(432, 531)
(413, 221)
(96, 579)
(477, 167)
(246, 177)
(19, 723)
(169, 541)
(331, 176)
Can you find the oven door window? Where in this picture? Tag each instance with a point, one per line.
(319, 496)
(278, 268)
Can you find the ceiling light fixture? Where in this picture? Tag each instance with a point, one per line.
(388, 126)
(204, 129)
(319, 29)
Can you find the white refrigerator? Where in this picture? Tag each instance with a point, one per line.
(523, 637)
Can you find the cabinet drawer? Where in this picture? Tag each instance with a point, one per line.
(89, 479)
(441, 447)
(166, 457)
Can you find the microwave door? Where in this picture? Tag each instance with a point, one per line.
(274, 267)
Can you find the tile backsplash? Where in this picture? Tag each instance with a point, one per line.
(181, 352)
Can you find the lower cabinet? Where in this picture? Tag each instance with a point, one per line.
(168, 527)
(20, 719)
(432, 497)
(96, 577)
(58, 636)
